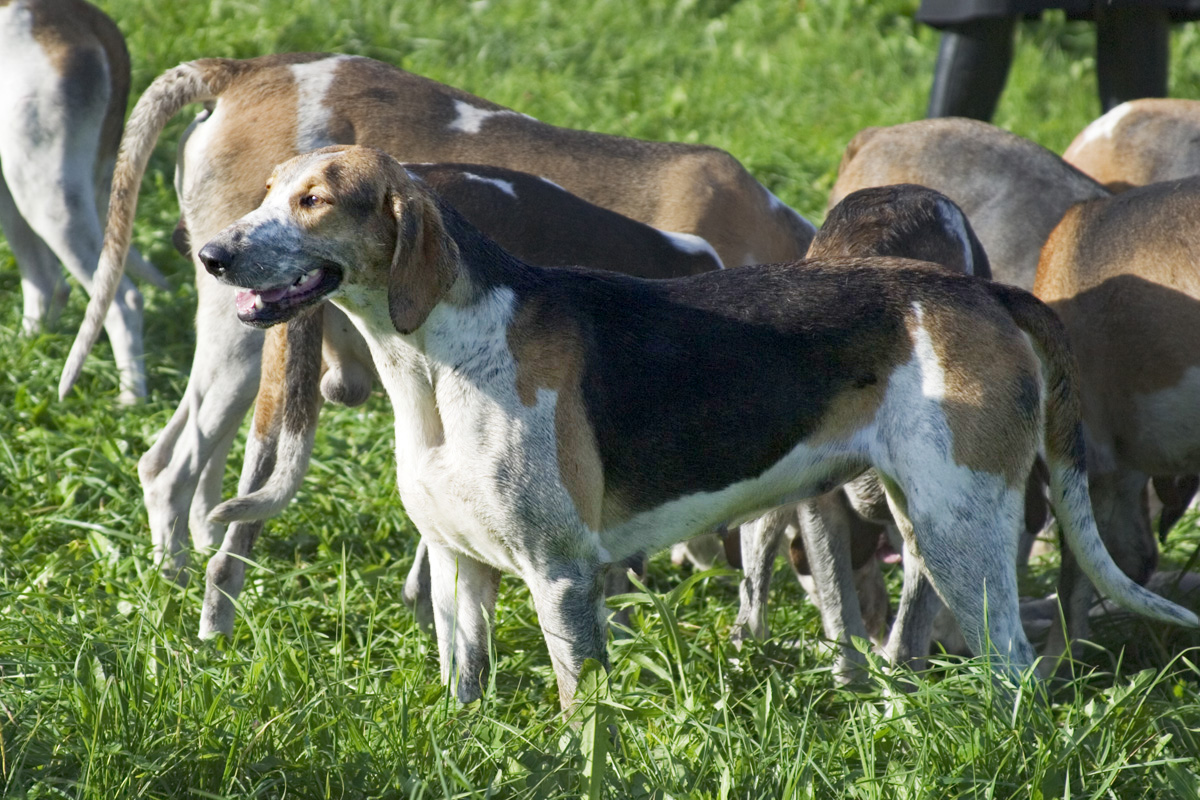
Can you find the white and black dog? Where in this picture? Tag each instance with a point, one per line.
(552, 422)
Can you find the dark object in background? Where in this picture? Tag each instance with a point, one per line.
(1132, 48)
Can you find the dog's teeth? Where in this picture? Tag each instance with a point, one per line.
(258, 302)
(307, 278)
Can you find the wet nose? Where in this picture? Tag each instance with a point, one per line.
(216, 258)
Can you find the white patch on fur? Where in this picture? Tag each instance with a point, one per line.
(933, 375)
(504, 186)
(694, 245)
(1106, 126)
(476, 468)
(470, 118)
(953, 221)
(312, 115)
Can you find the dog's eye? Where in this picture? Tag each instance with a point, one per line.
(310, 200)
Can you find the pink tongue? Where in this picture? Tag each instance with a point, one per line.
(245, 298)
(245, 301)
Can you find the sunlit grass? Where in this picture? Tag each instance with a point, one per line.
(328, 689)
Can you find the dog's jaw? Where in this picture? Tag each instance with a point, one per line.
(265, 307)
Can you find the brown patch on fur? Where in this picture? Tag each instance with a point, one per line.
(993, 420)
(549, 355)
(272, 386)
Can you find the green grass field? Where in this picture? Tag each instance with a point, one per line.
(328, 689)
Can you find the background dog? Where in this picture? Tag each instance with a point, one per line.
(266, 110)
(62, 106)
(1124, 282)
(1140, 142)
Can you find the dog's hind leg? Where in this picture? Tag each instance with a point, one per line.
(48, 160)
(43, 290)
(221, 390)
(464, 599)
(961, 534)
(288, 402)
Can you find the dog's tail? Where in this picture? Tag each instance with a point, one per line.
(285, 419)
(1066, 462)
(192, 82)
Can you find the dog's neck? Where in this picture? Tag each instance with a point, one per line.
(465, 332)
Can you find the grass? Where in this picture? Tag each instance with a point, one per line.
(328, 689)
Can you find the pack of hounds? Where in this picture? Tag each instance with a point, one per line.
(981, 333)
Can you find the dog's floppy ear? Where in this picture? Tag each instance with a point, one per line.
(425, 259)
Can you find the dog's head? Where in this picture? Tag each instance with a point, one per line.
(335, 218)
(903, 220)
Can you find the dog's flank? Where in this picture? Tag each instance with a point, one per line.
(480, 470)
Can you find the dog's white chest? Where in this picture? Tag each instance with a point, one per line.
(472, 461)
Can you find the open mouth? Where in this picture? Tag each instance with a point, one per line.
(263, 308)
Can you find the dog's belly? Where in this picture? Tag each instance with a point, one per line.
(1165, 433)
(804, 472)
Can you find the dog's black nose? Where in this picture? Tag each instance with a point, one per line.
(215, 258)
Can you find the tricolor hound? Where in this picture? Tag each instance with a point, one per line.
(553, 421)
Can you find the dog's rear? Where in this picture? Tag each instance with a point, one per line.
(62, 103)
(1124, 283)
(1012, 190)
(1140, 142)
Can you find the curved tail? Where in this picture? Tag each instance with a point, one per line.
(291, 377)
(192, 82)
(1066, 463)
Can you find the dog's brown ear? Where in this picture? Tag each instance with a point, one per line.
(425, 261)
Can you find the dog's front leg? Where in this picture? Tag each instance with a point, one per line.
(464, 597)
(569, 597)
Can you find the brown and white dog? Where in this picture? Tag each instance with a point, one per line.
(1140, 142)
(1123, 279)
(1137, 143)
(1013, 191)
(62, 106)
(265, 110)
(536, 220)
(834, 538)
(551, 422)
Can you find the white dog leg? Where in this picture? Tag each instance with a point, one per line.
(569, 597)
(825, 530)
(418, 593)
(43, 290)
(760, 546)
(464, 599)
